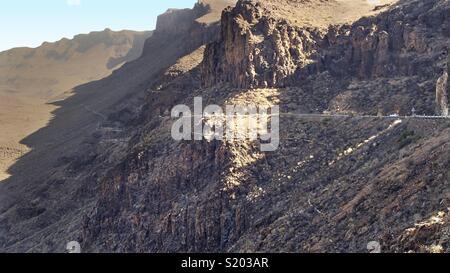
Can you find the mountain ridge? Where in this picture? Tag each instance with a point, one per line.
(59, 55)
(364, 167)
(96, 110)
(335, 184)
(31, 78)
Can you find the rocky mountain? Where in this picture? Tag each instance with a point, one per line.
(51, 187)
(369, 169)
(54, 68)
(33, 77)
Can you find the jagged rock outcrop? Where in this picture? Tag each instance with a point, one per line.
(255, 50)
(183, 24)
(390, 44)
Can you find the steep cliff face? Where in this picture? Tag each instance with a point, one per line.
(87, 136)
(399, 42)
(335, 183)
(255, 50)
(402, 44)
(178, 22)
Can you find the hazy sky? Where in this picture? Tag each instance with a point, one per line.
(31, 22)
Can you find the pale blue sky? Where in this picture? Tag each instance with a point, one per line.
(31, 22)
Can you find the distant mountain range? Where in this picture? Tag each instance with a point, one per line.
(32, 77)
(51, 69)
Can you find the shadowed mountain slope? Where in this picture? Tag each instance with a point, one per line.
(48, 193)
(366, 170)
(335, 184)
(32, 77)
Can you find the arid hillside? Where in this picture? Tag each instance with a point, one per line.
(31, 78)
(50, 70)
(364, 143)
(322, 13)
(45, 196)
